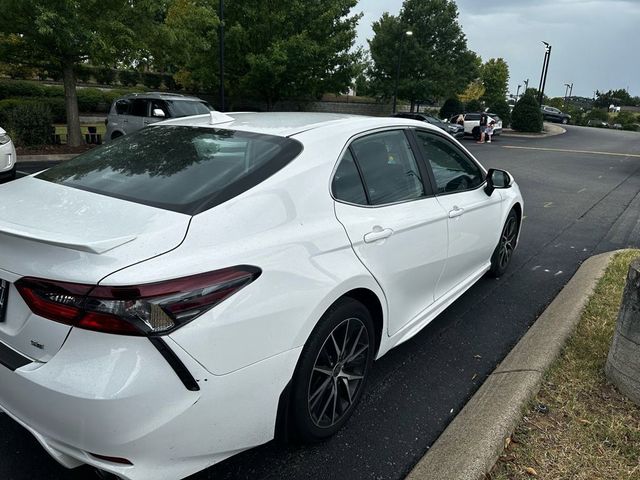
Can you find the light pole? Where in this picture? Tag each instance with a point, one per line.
(545, 70)
(526, 85)
(408, 33)
(518, 92)
(566, 93)
(221, 54)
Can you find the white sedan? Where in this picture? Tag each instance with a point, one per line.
(7, 157)
(188, 291)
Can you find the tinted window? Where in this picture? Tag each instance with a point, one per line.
(388, 167)
(347, 185)
(453, 171)
(185, 108)
(138, 107)
(184, 169)
(122, 107)
(471, 117)
(159, 105)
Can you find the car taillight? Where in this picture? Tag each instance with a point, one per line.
(147, 309)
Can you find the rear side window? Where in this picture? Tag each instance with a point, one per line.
(389, 168)
(347, 185)
(472, 117)
(138, 107)
(122, 107)
(178, 168)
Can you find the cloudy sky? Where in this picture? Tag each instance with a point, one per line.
(595, 43)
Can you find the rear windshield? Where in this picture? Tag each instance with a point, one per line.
(185, 108)
(178, 168)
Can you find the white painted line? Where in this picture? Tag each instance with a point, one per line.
(562, 150)
(536, 267)
(559, 272)
(582, 190)
(548, 204)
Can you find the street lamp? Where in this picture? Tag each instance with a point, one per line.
(518, 92)
(408, 33)
(545, 70)
(566, 92)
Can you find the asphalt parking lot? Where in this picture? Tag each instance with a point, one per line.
(582, 196)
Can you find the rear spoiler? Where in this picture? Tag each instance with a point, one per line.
(58, 239)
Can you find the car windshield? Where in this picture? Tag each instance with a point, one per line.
(185, 108)
(178, 168)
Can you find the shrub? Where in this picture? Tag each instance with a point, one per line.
(625, 118)
(597, 114)
(92, 100)
(502, 109)
(128, 77)
(30, 124)
(83, 73)
(170, 82)
(152, 80)
(105, 75)
(451, 107)
(9, 89)
(55, 106)
(473, 106)
(526, 115)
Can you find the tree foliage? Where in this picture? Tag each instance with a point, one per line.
(451, 107)
(67, 33)
(435, 61)
(620, 97)
(495, 78)
(474, 91)
(526, 115)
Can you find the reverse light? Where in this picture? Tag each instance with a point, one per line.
(148, 309)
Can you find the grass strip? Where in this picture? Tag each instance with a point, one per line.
(579, 427)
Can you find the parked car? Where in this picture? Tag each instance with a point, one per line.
(137, 110)
(471, 123)
(185, 293)
(597, 123)
(7, 157)
(552, 114)
(453, 129)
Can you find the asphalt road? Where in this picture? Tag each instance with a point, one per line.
(576, 204)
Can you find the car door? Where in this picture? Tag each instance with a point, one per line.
(138, 113)
(473, 216)
(396, 226)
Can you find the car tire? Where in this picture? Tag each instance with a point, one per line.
(506, 245)
(565, 121)
(476, 133)
(115, 135)
(332, 371)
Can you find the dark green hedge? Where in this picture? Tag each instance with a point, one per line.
(29, 124)
(526, 115)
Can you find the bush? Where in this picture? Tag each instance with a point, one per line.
(9, 89)
(55, 105)
(83, 73)
(128, 77)
(526, 115)
(92, 100)
(170, 82)
(597, 114)
(451, 107)
(624, 118)
(473, 106)
(105, 75)
(30, 124)
(152, 80)
(502, 109)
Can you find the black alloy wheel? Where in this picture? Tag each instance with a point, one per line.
(506, 245)
(332, 370)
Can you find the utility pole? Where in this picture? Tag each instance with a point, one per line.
(545, 70)
(221, 54)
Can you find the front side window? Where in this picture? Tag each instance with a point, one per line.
(122, 107)
(389, 169)
(453, 171)
(178, 168)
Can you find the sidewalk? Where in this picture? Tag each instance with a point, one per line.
(471, 444)
(548, 130)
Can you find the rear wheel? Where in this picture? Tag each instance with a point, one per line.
(332, 371)
(504, 251)
(565, 121)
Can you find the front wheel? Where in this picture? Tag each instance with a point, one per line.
(506, 245)
(332, 371)
(565, 121)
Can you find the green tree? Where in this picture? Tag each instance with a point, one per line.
(451, 107)
(526, 115)
(435, 60)
(502, 109)
(289, 49)
(69, 33)
(495, 78)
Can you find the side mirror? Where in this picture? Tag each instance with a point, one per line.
(158, 112)
(497, 179)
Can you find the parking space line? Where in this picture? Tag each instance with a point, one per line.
(563, 150)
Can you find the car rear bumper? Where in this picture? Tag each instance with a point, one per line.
(116, 396)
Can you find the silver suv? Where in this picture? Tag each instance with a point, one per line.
(137, 110)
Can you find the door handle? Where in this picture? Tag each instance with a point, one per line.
(378, 233)
(456, 212)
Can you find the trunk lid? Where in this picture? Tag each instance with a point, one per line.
(60, 233)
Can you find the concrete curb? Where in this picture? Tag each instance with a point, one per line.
(471, 444)
(45, 158)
